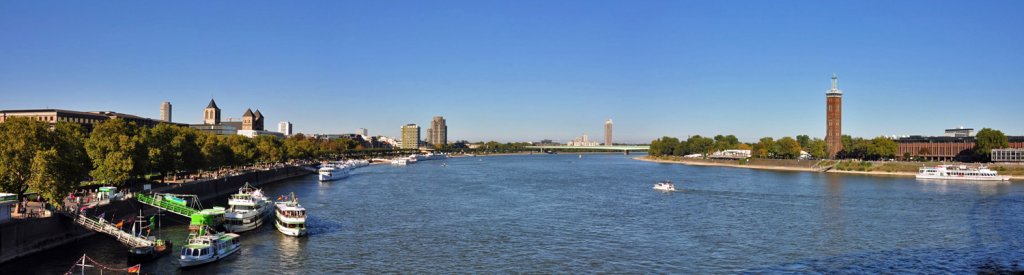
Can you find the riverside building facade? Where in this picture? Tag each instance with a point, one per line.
(86, 119)
(583, 140)
(437, 134)
(165, 111)
(285, 128)
(608, 132)
(1008, 155)
(410, 136)
(953, 146)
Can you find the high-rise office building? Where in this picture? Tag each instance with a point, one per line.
(410, 136)
(363, 132)
(437, 134)
(834, 118)
(608, 132)
(285, 128)
(165, 111)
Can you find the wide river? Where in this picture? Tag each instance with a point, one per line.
(566, 214)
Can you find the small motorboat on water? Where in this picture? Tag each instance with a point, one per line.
(665, 186)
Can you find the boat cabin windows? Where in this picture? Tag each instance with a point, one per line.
(242, 208)
(239, 221)
(292, 225)
(292, 213)
(195, 252)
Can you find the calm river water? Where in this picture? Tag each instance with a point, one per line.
(598, 213)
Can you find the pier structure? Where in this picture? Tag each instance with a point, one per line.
(112, 230)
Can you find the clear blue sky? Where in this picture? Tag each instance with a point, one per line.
(528, 70)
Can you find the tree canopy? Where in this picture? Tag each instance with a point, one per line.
(988, 139)
(118, 151)
(32, 155)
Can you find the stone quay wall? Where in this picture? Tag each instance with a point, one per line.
(24, 237)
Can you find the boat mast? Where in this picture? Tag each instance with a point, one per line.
(83, 265)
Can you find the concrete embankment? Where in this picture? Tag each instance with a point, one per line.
(23, 237)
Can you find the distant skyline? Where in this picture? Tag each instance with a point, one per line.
(528, 70)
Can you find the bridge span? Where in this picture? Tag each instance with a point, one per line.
(624, 148)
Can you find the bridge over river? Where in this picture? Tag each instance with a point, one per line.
(624, 148)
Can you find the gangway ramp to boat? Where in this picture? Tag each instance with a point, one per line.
(174, 203)
(112, 230)
(185, 205)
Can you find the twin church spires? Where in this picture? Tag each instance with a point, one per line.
(250, 120)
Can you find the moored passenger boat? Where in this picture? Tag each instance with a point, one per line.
(206, 246)
(247, 209)
(333, 171)
(357, 163)
(433, 156)
(291, 217)
(962, 172)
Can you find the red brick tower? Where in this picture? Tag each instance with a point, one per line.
(834, 119)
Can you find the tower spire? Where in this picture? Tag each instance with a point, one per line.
(834, 91)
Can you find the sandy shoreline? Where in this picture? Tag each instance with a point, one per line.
(777, 168)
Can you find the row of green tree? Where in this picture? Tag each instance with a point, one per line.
(696, 144)
(879, 148)
(771, 148)
(55, 159)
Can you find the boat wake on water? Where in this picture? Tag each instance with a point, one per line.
(317, 226)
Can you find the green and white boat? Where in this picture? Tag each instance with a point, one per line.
(207, 246)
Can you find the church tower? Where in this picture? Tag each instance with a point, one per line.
(211, 115)
(257, 120)
(247, 120)
(834, 118)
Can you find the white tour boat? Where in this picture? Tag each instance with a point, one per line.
(357, 163)
(291, 217)
(400, 161)
(962, 172)
(333, 171)
(247, 209)
(666, 186)
(205, 246)
(433, 156)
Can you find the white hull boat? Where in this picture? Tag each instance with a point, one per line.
(205, 246)
(962, 172)
(333, 171)
(290, 217)
(247, 209)
(665, 186)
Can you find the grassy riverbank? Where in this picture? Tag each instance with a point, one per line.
(880, 168)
